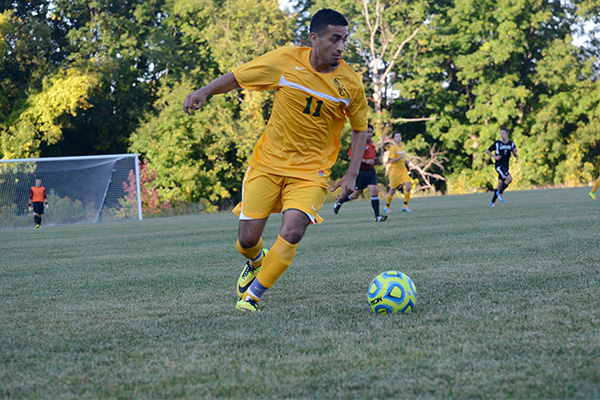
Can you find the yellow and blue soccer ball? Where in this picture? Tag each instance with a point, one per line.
(392, 292)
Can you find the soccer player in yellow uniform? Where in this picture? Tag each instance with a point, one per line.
(398, 173)
(315, 91)
(596, 185)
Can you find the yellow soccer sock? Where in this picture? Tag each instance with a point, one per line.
(278, 259)
(388, 200)
(252, 253)
(596, 185)
(406, 198)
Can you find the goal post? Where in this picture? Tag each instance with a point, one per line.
(80, 189)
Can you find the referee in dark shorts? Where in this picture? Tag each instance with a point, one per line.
(366, 179)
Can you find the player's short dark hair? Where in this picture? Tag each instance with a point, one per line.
(370, 126)
(325, 17)
(505, 129)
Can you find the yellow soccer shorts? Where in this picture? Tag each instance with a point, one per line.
(398, 178)
(264, 194)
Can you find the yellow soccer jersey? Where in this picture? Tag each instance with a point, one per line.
(302, 137)
(397, 151)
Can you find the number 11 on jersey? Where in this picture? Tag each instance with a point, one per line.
(317, 112)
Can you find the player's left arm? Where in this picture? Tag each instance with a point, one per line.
(514, 150)
(348, 181)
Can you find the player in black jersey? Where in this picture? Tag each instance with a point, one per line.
(501, 151)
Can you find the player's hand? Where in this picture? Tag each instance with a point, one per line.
(347, 184)
(194, 101)
(30, 209)
(46, 206)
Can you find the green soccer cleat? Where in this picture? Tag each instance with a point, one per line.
(247, 305)
(593, 195)
(247, 276)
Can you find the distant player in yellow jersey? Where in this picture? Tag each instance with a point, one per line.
(315, 91)
(596, 185)
(398, 173)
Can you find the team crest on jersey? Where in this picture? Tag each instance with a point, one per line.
(341, 89)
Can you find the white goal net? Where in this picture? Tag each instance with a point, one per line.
(79, 189)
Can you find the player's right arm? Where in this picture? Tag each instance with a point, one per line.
(348, 181)
(395, 149)
(195, 100)
(494, 156)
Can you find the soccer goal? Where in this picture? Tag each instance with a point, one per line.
(79, 189)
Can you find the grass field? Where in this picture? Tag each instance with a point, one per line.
(508, 306)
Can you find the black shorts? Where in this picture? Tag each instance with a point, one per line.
(502, 172)
(38, 207)
(365, 178)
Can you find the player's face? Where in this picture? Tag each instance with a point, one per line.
(398, 138)
(38, 182)
(504, 135)
(369, 133)
(329, 46)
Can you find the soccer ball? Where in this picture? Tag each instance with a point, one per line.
(392, 292)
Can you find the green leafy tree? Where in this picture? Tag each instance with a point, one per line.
(499, 61)
(26, 54)
(205, 156)
(123, 41)
(40, 118)
(110, 45)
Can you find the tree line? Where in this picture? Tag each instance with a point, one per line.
(95, 77)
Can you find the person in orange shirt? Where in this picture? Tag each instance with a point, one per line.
(37, 201)
(315, 91)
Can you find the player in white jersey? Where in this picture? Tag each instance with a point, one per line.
(501, 151)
